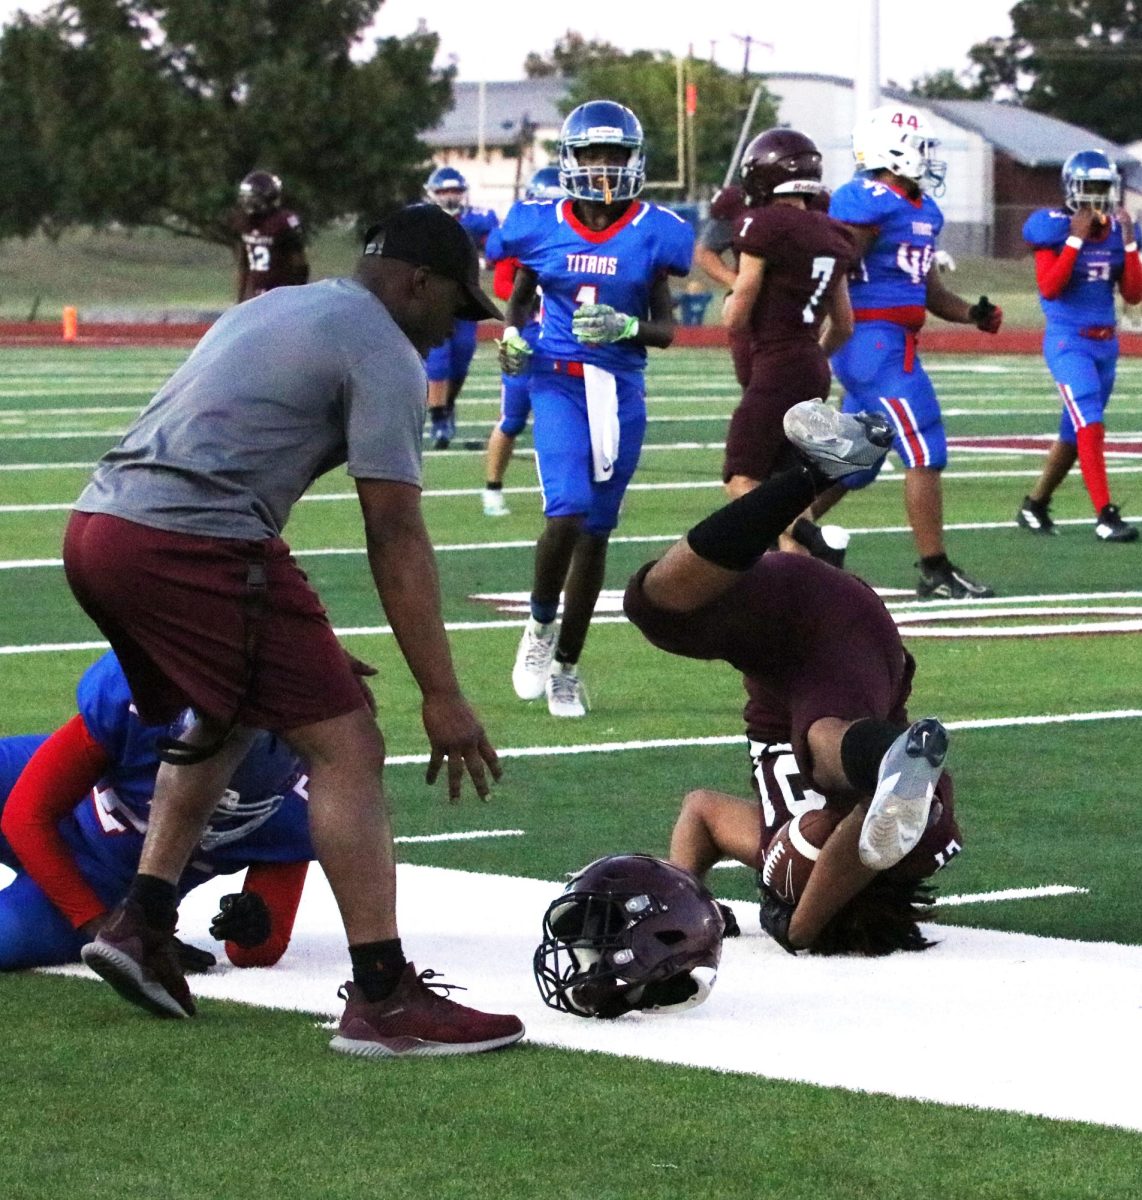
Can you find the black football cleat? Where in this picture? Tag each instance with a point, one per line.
(950, 582)
(1112, 528)
(1035, 516)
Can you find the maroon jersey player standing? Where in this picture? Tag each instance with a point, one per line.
(726, 210)
(272, 250)
(827, 679)
(791, 276)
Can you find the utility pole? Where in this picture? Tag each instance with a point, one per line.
(749, 41)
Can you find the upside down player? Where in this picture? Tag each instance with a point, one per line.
(272, 246)
(447, 364)
(1081, 254)
(515, 390)
(826, 675)
(791, 277)
(896, 224)
(602, 258)
(75, 806)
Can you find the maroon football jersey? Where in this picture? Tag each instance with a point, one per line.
(806, 255)
(268, 242)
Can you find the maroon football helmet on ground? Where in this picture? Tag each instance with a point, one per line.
(629, 932)
(259, 192)
(780, 162)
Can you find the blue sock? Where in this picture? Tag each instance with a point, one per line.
(544, 613)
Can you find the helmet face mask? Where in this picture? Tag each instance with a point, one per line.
(630, 932)
(602, 123)
(780, 162)
(447, 189)
(1091, 180)
(900, 139)
(259, 192)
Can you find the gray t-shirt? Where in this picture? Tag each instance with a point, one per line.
(279, 391)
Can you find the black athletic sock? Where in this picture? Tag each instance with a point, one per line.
(736, 536)
(935, 562)
(157, 898)
(438, 412)
(493, 486)
(377, 967)
(863, 746)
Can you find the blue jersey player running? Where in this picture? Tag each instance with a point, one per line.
(602, 258)
(447, 364)
(74, 807)
(1083, 252)
(896, 224)
(515, 390)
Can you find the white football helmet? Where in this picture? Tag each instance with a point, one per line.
(899, 139)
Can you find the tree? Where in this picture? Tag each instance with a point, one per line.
(947, 85)
(149, 112)
(1078, 60)
(569, 56)
(647, 83)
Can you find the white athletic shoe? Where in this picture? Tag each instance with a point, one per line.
(837, 443)
(565, 694)
(898, 814)
(533, 659)
(494, 504)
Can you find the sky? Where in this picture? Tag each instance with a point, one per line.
(490, 41)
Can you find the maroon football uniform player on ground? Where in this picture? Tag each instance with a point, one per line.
(791, 276)
(272, 250)
(726, 210)
(827, 680)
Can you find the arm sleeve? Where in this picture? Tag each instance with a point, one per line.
(1130, 285)
(70, 763)
(280, 886)
(1053, 271)
(503, 277)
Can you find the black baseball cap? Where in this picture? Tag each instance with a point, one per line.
(426, 236)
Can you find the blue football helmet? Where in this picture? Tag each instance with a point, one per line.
(448, 189)
(544, 185)
(1091, 178)
(601, 123)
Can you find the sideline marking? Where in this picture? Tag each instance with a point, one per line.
(1027, 893)
(470, 835)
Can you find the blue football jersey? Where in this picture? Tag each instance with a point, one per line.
(894, 272)
(1088, 298)
(575, 265)
(478, 224)
(494, 246)
(121, 802)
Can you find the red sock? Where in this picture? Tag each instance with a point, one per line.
(1093, 464)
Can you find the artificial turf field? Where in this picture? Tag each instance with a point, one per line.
(247, 1102)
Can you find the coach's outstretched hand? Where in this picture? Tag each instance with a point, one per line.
(455, 735)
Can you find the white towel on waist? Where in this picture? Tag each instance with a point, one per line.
(603, 418)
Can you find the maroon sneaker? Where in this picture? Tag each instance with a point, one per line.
(415, 1020)
(140, 963)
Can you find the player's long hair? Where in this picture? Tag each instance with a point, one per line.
(880, 920)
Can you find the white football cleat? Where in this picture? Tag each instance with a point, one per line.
(533, 659)
(837, 443)
(898, 814)
(494, 503)
(565, 694)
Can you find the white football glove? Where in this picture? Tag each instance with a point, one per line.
(514, 352)
(944, 261)
(600, 324)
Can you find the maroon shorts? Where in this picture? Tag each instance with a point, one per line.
(741, 354)
(191, 627)
(755, 443)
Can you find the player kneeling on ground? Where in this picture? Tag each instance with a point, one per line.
(629, 932)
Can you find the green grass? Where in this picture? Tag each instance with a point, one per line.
(103, 1102)
(145, 269)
